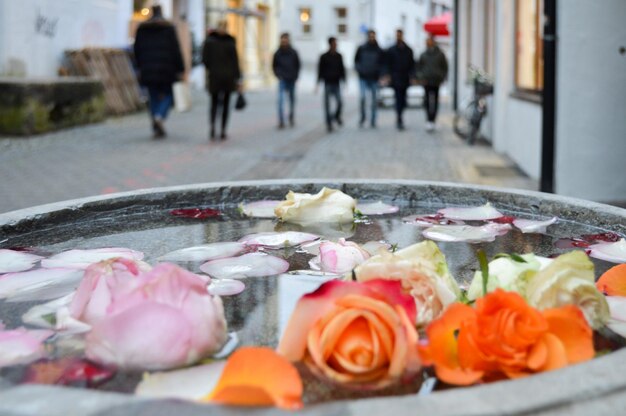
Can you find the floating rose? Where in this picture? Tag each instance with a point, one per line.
(503, 337)
(327, 206)
(354, 334)
(340, 257)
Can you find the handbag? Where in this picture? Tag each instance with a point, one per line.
(241, 103)
(182, 96)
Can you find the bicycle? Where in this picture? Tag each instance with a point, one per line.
(467, 121)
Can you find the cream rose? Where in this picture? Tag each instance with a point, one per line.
(328, 205)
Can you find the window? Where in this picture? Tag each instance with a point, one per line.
(305, 20)
(529, 45)
(341, 16)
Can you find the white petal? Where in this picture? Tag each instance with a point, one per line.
(484, 212)
(22, 346)
(533, 226)
(40, 284)
(466, 233)
(260, 209)
(226, 287)
(16, 261)
(374, 247)
(81, 259)
(248, 265)
(205, 252)
(377, 208)
(35, 315)
(312, 247)
(612, 252)
(278, 239)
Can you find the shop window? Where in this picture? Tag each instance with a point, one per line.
(341, 16)
(529, 45)
(305, 20)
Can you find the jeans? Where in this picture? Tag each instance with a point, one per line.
(371, 86)
(431, 102)
(400, 97)
(161, 100)
(287, 87)
(334, 91)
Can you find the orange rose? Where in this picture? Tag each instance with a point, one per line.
(356, 334)
(503, 337)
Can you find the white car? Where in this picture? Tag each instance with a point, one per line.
(414, 96)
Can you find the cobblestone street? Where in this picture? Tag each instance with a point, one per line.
(120, 155)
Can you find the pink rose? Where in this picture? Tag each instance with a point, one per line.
(167, 320)
(340, 257)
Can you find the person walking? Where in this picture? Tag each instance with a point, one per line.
(286, 66)
(400, 73)
(331, 71)
(369, 61)
(219, 55)
(160, 63)
(433, 68)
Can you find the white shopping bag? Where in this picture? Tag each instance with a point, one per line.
(182, 96)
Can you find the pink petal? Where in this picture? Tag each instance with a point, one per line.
(81, 259)
(532, 226)
(612, 252)
(196, 213)
(226, 287)
(205, 252)
(466, 233)
(481, 213)
(376, 208)
(278, 239)
(16, 261)
(248, 265)
(22, 346)
(260, 209)
(39, 284)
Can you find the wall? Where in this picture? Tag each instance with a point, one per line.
(591, 98)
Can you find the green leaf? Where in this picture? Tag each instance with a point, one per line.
(50, 318)
(394, 247)
(517, 258)
(484, 269)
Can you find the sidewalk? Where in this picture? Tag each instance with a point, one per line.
(120, 155)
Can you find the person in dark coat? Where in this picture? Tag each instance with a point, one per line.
(160, 63)
(400, 73)
(331, 71)
(369, 61)
(433, 68)
(219, 55)
(286, 66)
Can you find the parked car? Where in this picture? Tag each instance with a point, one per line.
(414, 96)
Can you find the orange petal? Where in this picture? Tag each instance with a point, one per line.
(569, 325)
(538, 355)
(258, 376)
(613, 281)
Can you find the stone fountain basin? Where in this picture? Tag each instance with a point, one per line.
(597, 387)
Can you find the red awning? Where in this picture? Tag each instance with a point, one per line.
(438, 25)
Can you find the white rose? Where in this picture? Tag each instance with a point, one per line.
(327, 206)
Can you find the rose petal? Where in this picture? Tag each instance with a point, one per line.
(81, 259)
(40, 284)
(569, 325)
(44, 315)
(340, 257)
(196, 213)
(16, 261)
(466, 233)
(375, 247)
(376, 208)
(278, 239)
(613, 281)
(532, 226)
(248, 265)
(612, 252)
(226, 287)
(22, 346)
(205, 252)
(260, 209)
(617, 306)
(430, 220)
(257, 376)
(481, 213)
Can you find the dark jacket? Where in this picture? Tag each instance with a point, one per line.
(369, 61)
(433, 67)
(400, 65)
(219, 55)
(330, 68)
(286, 64)
(157, 53)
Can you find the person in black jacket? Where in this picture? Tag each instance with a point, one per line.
(369, 61)
(219, 55)
(400, 72)
(330, 69)
(286, 66)
(160, 63)
(433, 68)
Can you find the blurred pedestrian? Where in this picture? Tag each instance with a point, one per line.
(369, 61)
(286, 66)
(433, 68)
(331, 71)
(223, 76)
(160, 63)
(400, 73)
